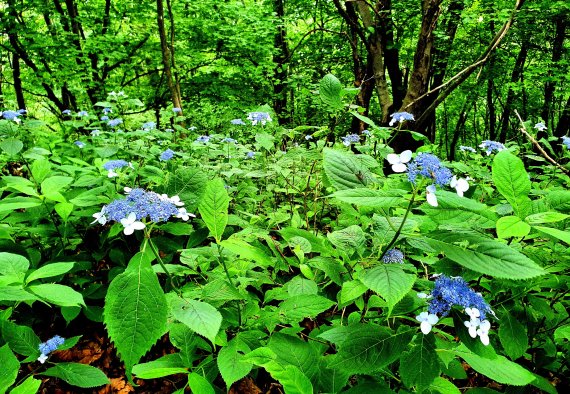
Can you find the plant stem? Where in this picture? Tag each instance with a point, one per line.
(223, 262)
(395, 238)
(159, 259)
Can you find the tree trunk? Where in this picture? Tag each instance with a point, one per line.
(18, 82)
(280, 60)
(166, 56)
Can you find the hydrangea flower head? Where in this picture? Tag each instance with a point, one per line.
(540, 126)
(107, 110)
(22, 111)
(492, 146)
(308, 137)
(96, 133)
(366, 132)
(467, 149)
(104, 118)
(115, 122)
(229, 140)
(79, 144)
(10, 115)
(429, 166)
(349, 139)
(49, 346)
(566, 142)
(399, 117)
(393, 256)
(66, 112)
(250, 155)
(167, 155)
(113, 165)
(176, 110)
(237, 122)
(82, 113)
(259, 117)
(398, 162)
(203, 139)
(148, 126)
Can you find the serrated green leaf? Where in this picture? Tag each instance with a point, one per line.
(545, 217)
(231, 361)
(57, 294)
(513, 336)
(9, 370)
(512, 226)
(64, 209)
(371, 198)
(330, 92)
(214, 207)
(20, 184)
(41, 168)
(420, 365)
(79, 375)
(554, 232)
(512, 181)
(22, 339)
(53, 186)
(28, 386)
(453, 209)
(50, 270)
(291, 350)
(300, 286)
(13, 265)
(247, 251)
(350, 239)
(442, 386)
(344, 171)
(199, 384)
(11, 146)
(135, 310)
(299, 307)
(199, 316)
(389, 281)
(498, 369)
(488, 256)
(16, 203)
(351, 290)
(170, 364)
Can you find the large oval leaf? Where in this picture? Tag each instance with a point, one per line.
(389, 281)
(214, 207)
(344, 170)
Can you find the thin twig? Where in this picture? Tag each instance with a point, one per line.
(539, 148)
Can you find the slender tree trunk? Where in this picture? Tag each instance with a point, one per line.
(16, 75)
(166, 56)
(560, 22)
(280, 61)
(516, 76)
(563, 127)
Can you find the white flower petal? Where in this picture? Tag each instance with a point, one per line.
(432, 319)
(431, 197)
(393, 158)
(425, 327)
(406, 156)
(128, 230)
(399, 167)
(484, 339)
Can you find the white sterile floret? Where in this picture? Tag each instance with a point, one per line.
(483, 332)
(472, 326)
(112, 174)
(398, 161)
(424, 296)
(131, 224)
(128, 189)
(427, 321)
(42, 358)
(100, 217)
(430, 195)
(184, 215)
(473, 313)
(460, 185)
(176, 201)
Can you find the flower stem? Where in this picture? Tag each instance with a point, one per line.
(399, 230)
(223, 262)
(159, 259)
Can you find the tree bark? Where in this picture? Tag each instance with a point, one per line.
(280, 71)
(16, 75)
(166, 56)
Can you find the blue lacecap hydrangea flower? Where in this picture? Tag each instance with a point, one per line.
(259, 117)
(349, 139)
(79, 144)
(203, 138)
(115, 122)
(143, 204)
(393, 256)
(104, 118)
(450, 291)
(149, 126)
(250, 155)
(66, 112)
(22, 111)
(566, 141)
(167, 155)
(106, 110)
(399, 117)
(51, 345)
(229, 140)
(492, 146)
(237, 122)
(82, 113)
(114, 164)
(176, 110)
(463, 148)
(429, 166)
(10, 115)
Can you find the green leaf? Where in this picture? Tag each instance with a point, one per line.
(442, 386)
(330, 92)
(546, 217)
(16, 203)
(344, 170)
(64, 209)
(512, 226)
(498, 369)
(247, 251)
(554, 232)
(511, 180)
(170, 364)
(264, 140)
(351, 239)
(11, 146)
(453, 209)
(389, 281)
(9, 370)
(371, 198)
(299, 307)
(135, 309)
(562, 333)
(79, 375)
(231, 361)
(488, 256)
(291, 350)
(199, 384)
(214, 207)
(50, 270)
(53, 186)
(22, 339)
(20, 184)
(199, 316)
(13, 265)
(28, 386)
(15, 293)
(513, 336)
(420, 365)
(57, 294)
(351, 290)
(559, 200)
(366, 348)
(41, 168)
(300, 286)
